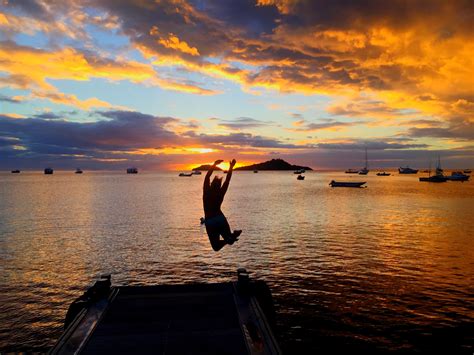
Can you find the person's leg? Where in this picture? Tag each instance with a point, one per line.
(226, 232)
(236, 233)
(213, 234)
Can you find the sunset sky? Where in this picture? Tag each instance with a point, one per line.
(109, 84)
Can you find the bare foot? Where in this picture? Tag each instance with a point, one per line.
(236, 234)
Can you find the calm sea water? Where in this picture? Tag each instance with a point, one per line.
(386, 268)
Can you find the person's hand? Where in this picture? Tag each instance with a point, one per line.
(217, 162)
(232, 163)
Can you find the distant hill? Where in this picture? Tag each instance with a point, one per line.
(205, 167)
(274, 164)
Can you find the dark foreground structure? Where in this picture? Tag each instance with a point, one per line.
(221, 318)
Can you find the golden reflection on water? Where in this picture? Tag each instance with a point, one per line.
(346, 266)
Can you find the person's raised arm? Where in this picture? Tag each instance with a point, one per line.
(207, 179)
(225, 185)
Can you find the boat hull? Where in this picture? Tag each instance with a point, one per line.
(407, 171)
(434, 179)
(346, 184)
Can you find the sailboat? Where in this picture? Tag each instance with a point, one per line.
(438, 177)
(365, 169)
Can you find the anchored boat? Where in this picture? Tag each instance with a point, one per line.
(132, 171)
(365, 169)
(407, 170)
(220, 318)
(458, 176)
(334, 183)
(48, 171)
(438, 177)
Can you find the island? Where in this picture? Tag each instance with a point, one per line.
(274, 164)
(205, 167)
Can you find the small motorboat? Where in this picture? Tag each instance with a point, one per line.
(185, 174)
(383, 174)
(352, 171)
(197, 172)
(15, 171)
(255, 171)
(298, 172)
(334, 183)
(300, 177)
(132, 171)
(48, 171)
(363, 171)
(467, 171)
(407, 170)
(78, 171)
(458, 176)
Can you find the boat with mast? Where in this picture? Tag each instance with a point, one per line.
(365, 169)
(438, 177)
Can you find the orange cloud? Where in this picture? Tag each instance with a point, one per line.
(175, 43)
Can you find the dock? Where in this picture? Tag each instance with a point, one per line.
(217, 318)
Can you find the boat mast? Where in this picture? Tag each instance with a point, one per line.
(366, 161)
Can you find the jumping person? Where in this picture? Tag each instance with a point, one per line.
(215, 221)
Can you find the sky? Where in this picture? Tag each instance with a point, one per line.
(172, 84)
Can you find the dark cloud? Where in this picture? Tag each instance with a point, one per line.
(241, 14)
(463, 132)
(8, 99)
(370, 145)
(48, 116)
(8, 141)
(241, 123)
(400, 14)
(123, 130)
(328, 123)
(244, 140)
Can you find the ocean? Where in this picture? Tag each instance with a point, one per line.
(387, 268)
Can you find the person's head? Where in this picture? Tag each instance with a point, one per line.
(216, 184)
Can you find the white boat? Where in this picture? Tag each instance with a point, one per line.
(185, 174)
(458, 176)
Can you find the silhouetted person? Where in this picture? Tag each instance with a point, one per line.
(215, 221)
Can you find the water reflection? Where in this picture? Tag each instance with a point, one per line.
(387, 267)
